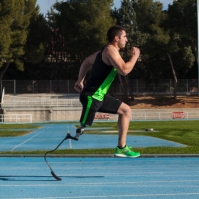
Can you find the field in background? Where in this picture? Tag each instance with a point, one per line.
(181, 131)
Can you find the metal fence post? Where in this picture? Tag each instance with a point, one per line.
(169, 85)
(14, 86)
(50, 86)
(68, 86)
(137, 86)
(33, 91)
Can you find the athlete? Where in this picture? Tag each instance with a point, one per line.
(93, 95)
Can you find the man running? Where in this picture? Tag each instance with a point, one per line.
(105, 66)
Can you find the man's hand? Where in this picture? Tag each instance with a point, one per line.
(135, 52)
(79, 86)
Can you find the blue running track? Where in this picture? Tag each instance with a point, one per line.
(48, 137)
(93, 178)
(96, 178)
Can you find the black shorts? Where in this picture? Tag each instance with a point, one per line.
(91, 106)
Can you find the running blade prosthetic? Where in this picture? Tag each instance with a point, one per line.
(68, 136)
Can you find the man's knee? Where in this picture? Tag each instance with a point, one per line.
(128, 111)
(124, 109)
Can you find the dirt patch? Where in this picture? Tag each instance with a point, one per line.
(147, 102)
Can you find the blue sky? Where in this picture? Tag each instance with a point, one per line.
(46, 4)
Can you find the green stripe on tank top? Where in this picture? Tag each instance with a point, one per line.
(87, 109)
(103, 89)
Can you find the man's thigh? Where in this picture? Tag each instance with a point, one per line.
(91, 106)
(110, 105)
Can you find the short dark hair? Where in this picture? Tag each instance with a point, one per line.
(114, 31)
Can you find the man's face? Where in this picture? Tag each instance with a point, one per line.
(122, 40)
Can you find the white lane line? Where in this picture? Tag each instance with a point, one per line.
(69, 140)
(28, 139)
(70, 144)
(141, 184)
(115, 196)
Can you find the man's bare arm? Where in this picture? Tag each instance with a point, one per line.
(116, 60)
(85, 66)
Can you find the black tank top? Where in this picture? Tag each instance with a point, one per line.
(100, 79)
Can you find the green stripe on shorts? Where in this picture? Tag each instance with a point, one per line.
(90, 101)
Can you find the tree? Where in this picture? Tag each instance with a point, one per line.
(183, 20)
(150, 21)
(83, 26)
(162, 42)
(38, 38)
(15, 15)
(181, 23)
(5, 31)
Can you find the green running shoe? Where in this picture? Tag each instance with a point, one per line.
(126, 152)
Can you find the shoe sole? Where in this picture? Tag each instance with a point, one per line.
(125, 156)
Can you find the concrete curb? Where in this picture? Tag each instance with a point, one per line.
(97, 155)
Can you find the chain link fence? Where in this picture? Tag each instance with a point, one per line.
(137, 86)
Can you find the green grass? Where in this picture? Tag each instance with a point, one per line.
(182, 131)
(148, 150)
(10, 130)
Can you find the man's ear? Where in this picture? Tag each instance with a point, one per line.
(116, 38)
